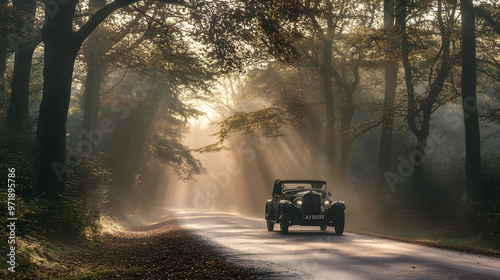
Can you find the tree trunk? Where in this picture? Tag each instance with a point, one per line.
(3, 68)
(419, 187)
(50, 161)
(3, 64)
(469, 101)
(391, 75)
(347, 113)
(61, 48)
(345, 127)
(344, 155)
(91, 107)
(330, 105)
(94, 80)
(19, 99)
(423, 109)
(314, 140)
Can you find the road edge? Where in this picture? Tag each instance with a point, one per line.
(434, 244)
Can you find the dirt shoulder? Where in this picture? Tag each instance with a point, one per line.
(159, 251)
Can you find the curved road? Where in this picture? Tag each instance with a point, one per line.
(308, 253)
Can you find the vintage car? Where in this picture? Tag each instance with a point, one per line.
(304, 203)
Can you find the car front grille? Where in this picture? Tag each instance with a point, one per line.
(311, 203)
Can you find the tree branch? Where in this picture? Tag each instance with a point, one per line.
(99, 17)
(405, 53)
(494, 77)
(367, 128)
(486, 15)
(438, 83)
(314, 61)
(357, 78)
(148, 16)
(317, 26)
(339, 80)
(106, 11)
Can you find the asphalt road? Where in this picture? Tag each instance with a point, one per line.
(308, 253)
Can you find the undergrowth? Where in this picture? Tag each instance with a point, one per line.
(46, 225)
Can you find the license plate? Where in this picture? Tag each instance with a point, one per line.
(314, 217)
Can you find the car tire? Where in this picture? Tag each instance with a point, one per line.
(322, 227)
(284, 222)
(270, 225)
(339, 222)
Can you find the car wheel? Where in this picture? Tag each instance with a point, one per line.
(270, 226)
(339, 223)
(283, 223)
(322, 227)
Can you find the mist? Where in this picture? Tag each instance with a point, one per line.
(239, 179)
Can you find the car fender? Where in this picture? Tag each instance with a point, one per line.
(270, 213)
(285, 206)
(336, 208)
(339, 205)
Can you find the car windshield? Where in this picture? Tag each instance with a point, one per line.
(288, 187)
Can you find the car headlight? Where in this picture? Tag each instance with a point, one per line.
(298, 201)
(327, 202)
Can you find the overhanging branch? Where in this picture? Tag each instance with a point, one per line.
(486, 15)
(99, 16)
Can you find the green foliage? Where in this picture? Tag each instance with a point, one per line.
(73, 216)
(63, 219)
(16, 27)
(480, 218)
(6, 20)
(168, 148)
(268, 122)
(87, 183)
(446, 207)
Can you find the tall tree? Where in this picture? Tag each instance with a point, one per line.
(469, 101)
(61, 48)
(420, 109)
(95, 67)
(24, 48)
(332, 53)
(3, 60)
(344, 67)
(327, 36)
(391, 75)
(62, 44)
(313, 34)
(100, 51)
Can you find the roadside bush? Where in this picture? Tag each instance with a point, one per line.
(482, 217)
(73, 216)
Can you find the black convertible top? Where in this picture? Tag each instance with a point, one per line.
(278, 183)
